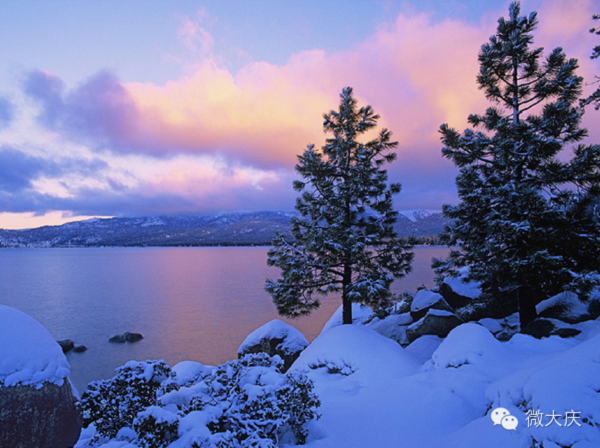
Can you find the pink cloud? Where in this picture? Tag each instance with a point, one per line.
(415, 72)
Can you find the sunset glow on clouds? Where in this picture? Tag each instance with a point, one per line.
(214, 138)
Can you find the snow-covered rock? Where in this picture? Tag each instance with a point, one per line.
(29, 355)
(435, 322)
(393, 326)
(275, 338)
(364, 353)
(565, 306)
(424, 300)
(543, 328)
(457, 291)
(37, 404)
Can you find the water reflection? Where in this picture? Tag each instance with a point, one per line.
(189, 303)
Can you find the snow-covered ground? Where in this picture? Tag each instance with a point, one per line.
(466, 390)
(386, 396)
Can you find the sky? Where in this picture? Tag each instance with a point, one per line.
(144, 107)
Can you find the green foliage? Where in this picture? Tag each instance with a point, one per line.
(113, 404)
(523, 224)
(594, 98)
(242, 403)
(344, 241)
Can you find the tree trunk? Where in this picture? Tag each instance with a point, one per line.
(346, 302)
(526, 298)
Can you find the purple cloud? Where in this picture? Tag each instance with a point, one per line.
(99, 112)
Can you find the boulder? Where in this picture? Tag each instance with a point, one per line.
(458, 292)
(543, 327)
(453, 298)
(133, 337)
(565, 306)
(425, 300)
(275, 338)
(66, 345)
(126, 337)
(80, 349)
(45, 417)
(435, 322)
(37, 404)
(118, 339)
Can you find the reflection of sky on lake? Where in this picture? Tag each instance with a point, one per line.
(189, 303)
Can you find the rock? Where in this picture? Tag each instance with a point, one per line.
(565, 306)
(435, 322)
(80, 349)
(544, 327)
(126, 337)
(457, 292)
(393, 326)
(133, 337)
(453, 299)
(539, 328)
(425, 300)
(66, 345)
(37, 404)
(566, 332)
(35, 418)
(275, 338)
(118, 338)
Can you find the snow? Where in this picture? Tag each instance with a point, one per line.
(29, 355)
(470, 289)
(442, 392)
(360, 314)
(188, 371)
(293, 340)
(424, 299)
(415, 215)
(436, 392)
(568, 301)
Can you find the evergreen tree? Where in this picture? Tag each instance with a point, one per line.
(594, 97)
(344, 241)
(523, 223)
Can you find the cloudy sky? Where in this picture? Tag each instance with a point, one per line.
(145, 107)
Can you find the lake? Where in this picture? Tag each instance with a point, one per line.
(189, 303)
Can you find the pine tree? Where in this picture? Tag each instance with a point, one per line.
(594, 98)
(344, 240)
(523, 223)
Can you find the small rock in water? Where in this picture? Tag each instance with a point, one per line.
(126, 337)
(133, 337)
(80, 349)
(66, 345)
(119, 338)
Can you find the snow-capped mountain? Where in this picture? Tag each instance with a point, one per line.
(256, 228)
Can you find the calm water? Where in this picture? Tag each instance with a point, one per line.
(189, 303)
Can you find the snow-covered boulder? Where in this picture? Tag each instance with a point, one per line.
(358, 352)
(543, 328)
(37, 402)
(425, 300)
(457, 291)
(275, 338)
(435, 322)
(393, 326)
(565, 306)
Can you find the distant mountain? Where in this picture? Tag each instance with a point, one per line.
(231, 229)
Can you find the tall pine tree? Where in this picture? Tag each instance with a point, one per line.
(344, 240)
(523, 223)
(594, 98)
